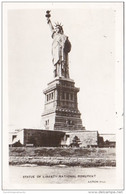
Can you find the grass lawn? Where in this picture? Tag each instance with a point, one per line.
(63, 152)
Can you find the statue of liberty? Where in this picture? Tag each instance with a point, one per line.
(60, 49)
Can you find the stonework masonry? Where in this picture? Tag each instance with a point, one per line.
(48, 138)
(87, 138)
(61, 106)
(54, 138)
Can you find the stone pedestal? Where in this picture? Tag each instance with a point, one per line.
(61, 107)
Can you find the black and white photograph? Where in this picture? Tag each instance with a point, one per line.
(63, 76)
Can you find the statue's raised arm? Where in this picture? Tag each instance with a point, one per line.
(60, 49)
(48, 15)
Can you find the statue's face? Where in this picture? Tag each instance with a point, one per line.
(57, 29)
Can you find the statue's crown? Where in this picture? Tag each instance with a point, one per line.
(58, 25)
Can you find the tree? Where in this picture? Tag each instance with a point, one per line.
(76, 142)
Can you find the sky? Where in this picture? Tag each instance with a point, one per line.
(95, 61)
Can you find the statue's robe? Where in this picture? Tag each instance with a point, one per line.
(60, 48)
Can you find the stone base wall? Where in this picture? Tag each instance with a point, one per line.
(55, 138)
(87, 138)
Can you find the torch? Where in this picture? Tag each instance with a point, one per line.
(48, 15)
